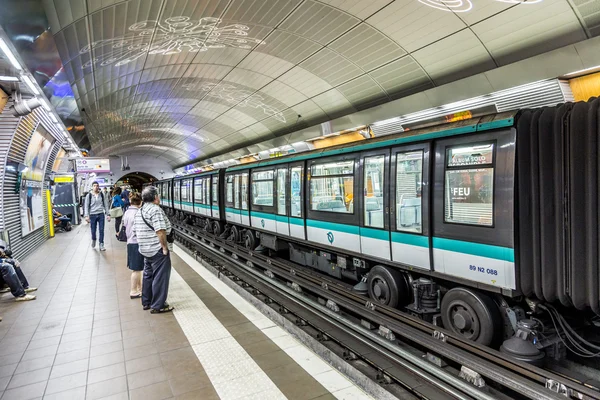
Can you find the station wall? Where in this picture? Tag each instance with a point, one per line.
(15, 134)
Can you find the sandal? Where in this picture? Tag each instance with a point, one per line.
(162, 310)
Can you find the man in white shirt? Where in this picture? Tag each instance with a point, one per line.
(151, 227)
(94, 210)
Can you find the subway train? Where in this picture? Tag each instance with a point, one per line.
(476, 224)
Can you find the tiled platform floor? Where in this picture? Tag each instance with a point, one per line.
(84, 338)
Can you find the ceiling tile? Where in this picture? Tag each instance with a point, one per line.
(359, 8)
(333, 103)
(414, 25)
(529, 29)
(401, 77)
(363, 92)
(318, 22)
(367, 47)
(331, 67)
(454, 57)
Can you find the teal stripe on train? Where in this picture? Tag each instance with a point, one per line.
(476, 249)
(187, 203)
(413, 240)
(205, 206)
(296, 221)
(331, 226)
(378, 234)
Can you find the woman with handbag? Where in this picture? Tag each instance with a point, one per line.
(135, 261)
(116, 209)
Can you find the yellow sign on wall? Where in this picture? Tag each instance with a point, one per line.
(585, 87)
(63, 179)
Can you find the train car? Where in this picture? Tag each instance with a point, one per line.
(456, 223)
(199, 197)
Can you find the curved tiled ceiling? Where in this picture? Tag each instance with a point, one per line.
(185, 79)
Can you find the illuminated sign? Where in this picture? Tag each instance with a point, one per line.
(93, 165)
(63, 179)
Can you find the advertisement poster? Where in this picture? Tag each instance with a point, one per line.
(93, 165)
(37, 154)
(31, 206)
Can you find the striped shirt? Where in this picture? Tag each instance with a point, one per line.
(146, 237)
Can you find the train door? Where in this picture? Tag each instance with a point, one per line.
(198, 195)
(295, 204)
(263, 214)
(374, 204)
(186, 195)
(473, 232)
(215, 196)
(409, 212)
(206, 197)
(177, 195)
(283, 222)
(231, 213)
(244, 188)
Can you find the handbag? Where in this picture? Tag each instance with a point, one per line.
(116, 212)
(122, 235)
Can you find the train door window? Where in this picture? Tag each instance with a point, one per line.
(206, 197)
(236, 194)
(229, 191)
(469, 185)
(244, 185)
(198, 190)
(177, 194)
(262, 188)
(215, 189)
(185, 191)
(409, 187)
(281, 178)
(296, 192)
(332, 187)
(374, 184)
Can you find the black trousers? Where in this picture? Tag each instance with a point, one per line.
(155, 282)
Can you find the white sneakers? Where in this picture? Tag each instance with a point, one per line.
(30, 289)
(102, 247)
(27, 297)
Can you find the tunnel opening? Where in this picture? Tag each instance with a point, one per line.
(136, 180)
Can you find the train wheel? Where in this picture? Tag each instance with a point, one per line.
(249, 240)
(217, 229)
(207, 226)
(471, 314)
(234, 235)
(387, 286)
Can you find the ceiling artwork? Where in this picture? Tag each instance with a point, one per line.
(187, 80)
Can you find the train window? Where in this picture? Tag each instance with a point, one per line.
(332, 187)
(281, 175)
(469, 192)
(229, 189)
(373, 191)
(262, 188)
(236, 194)
(215, 189)
(409, 184)
(244, 191)
(198, 190)
(296, 192)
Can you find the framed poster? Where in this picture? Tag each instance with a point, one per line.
(60, 158)
(97, 165)
(37, 154)
(31, 206)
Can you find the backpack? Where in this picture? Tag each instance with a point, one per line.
(89, 199)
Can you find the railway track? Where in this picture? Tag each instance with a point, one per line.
(420, 359)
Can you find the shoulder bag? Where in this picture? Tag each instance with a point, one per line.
(170, 236)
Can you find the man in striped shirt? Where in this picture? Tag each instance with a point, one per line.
(151, 228)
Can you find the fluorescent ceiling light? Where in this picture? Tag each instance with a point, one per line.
(53, 118)
(30, 84)
(582, 71)
(46, 106)
(9, 54)
(9, 78)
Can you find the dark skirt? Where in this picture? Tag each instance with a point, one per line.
(135, 261)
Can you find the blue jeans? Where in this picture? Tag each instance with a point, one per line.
(97, 219)
(12, 279)
(155, 284)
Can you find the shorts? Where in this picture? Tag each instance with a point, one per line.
(135, 261)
